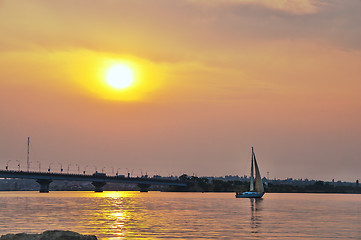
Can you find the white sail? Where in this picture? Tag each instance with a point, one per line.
(251, 184)
(258, 183)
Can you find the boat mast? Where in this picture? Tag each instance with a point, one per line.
(251, 185)
(27, 156)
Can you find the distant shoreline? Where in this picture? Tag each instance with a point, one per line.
(196, 184)
(91, 191)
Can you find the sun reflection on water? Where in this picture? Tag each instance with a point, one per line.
(115, 212)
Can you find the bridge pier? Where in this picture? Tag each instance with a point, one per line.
(98, 186)
(143, 187)
(44, 185)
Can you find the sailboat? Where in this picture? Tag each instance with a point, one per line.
(256, 189)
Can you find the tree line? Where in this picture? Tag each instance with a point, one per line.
(202, 184)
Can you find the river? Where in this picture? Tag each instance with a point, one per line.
(158, 215)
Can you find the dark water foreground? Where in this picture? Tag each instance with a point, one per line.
(157, 215)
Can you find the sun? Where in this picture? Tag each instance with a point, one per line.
(119, 76)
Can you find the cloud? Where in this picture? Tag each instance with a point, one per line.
(290, 6)
(175, 31)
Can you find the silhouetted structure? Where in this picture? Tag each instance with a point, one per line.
(98, 180)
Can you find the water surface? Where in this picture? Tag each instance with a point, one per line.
(156, 215)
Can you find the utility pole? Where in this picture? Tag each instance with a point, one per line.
(27, 156)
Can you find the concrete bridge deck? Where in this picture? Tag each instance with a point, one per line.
(97, 179)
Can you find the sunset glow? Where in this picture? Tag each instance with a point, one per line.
(183, 87)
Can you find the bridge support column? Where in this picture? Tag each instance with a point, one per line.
(44, 185)
(98, 186)
(143, 187)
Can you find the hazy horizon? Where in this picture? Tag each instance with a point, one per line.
(212, 79)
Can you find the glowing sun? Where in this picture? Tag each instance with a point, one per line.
(119, 76)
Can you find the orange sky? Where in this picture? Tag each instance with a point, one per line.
(213, 78)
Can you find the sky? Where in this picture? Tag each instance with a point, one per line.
(211, 79)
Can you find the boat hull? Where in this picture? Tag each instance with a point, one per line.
(249, 195)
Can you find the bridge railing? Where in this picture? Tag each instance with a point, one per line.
(96, 176)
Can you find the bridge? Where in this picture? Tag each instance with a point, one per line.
(98, 180)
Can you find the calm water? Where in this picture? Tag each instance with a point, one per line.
(155, 215)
